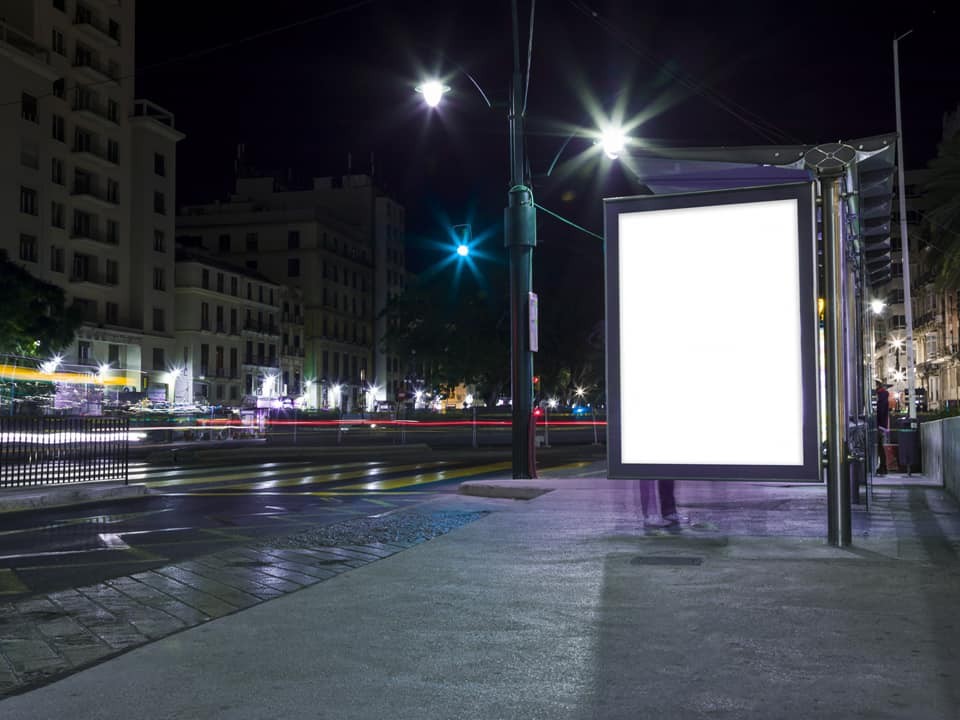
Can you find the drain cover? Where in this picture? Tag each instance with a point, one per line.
(666, 560)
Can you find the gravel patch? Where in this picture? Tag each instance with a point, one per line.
(407, 527)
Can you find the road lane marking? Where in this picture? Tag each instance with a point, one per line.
(426, 478)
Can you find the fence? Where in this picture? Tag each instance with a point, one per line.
(940, 445)
(56, 450)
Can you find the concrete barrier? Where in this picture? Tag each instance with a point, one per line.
(931, 449)
(951, 455)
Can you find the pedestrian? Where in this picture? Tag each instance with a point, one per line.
(668, 504)
(883, 424)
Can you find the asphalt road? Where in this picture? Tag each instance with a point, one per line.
(196, 510)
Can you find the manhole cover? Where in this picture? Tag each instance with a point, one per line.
(666, 560)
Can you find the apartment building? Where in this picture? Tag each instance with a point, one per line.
(935, 311)
(340, 244)
(237, 334)
(88, 177)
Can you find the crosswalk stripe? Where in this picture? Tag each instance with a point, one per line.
(423, 479)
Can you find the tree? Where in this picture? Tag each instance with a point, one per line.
(942, 191)
(447, 336)
(35, 319)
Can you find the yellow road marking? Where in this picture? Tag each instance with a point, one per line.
(10, 584)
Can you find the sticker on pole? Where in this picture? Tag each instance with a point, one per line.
(534, 322)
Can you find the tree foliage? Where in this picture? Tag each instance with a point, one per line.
(35, 320)
(445, 336)
(942, 191)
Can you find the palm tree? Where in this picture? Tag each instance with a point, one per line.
(942, 191)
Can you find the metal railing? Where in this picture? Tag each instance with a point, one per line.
(50, 450)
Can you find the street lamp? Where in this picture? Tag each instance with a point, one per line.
(877, 306)
(520, 233)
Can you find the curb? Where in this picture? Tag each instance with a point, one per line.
(51, 496)
(510, 492)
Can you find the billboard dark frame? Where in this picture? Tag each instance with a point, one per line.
(809, 468)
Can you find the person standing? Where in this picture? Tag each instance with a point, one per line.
(883, 424)
(663, 489)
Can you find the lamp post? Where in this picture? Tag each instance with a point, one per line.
(905, 240)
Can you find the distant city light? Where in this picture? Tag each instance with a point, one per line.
(432, 91)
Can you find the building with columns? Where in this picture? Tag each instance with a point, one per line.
(340, 243)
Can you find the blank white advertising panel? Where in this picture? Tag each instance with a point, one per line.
(714, 318)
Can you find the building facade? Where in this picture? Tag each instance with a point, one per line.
(88, 177)
(340, 245)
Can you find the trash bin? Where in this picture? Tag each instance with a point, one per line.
(908, 443)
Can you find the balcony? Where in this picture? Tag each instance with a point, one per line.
(87, 25)
(89, 192)
(92, 234)
(261, 328)
(22, 50)
(93, 278)
(94, 112)
(93, 154)
(148, 114)
(96, 72)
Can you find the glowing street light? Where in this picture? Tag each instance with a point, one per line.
(877, 306)
(432, 91)
(613, 141)
(50, 366)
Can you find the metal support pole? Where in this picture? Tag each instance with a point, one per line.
(520, 238)
(905, 243)
(475, 425)
(838, 486)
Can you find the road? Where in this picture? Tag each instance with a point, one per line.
(196, 510)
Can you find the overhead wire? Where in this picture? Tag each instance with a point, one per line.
(755, 122)
(215, 48)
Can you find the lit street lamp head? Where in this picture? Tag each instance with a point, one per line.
(463, 250)
(877, 306)
(432, 91)
(613, 141)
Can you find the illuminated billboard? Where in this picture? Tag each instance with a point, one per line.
(711, 335)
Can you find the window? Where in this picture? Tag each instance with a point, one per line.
(251, 264)
(159, 241)
(204, 316)
(83, 351)
(158, 362)
(158, 320)
(84, 224)
(223, 243)
(205, 279)
(252, 242)
(56, 259)
(233, 362)
(113, 111)
(56, 215)
(28, 201)
(83, 266)
(218, 360)
(204, 359)
(113, 30)
(260, 294)
(56, 44)
(220, 327)
(159, 164)
(113, 232)
(56, 170)
(158, 279)
(112, 272)
(113, 354)
(233, 286)
(113, 151)
(28, 108)
(113, 191)
(293, 239)
(28, 248)
(159, 203)
(233, 321)
(58, 126)
(113, 313)
(82, 140)
(219, 282)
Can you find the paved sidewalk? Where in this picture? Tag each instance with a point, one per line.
(564, 606)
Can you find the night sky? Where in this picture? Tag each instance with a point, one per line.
(340, 84)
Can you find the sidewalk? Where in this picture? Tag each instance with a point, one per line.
(563, 606)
